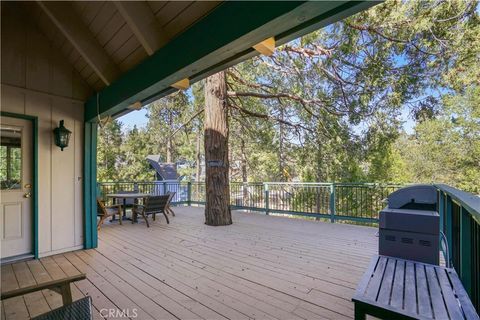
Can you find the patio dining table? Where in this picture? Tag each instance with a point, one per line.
(125, 196)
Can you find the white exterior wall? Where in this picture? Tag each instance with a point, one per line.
(36, 80)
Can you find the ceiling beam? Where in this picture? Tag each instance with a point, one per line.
(139, 17)
(72, 27)
(221, 39)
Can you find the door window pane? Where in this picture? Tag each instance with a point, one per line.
(11, 158)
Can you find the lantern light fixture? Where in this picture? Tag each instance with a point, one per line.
(62, 135)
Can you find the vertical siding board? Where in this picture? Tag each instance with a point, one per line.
(79, 175)
(13, 62)
(37, 81)
(63, 187)
(40, 106)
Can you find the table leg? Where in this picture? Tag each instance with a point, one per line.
(136, 202)
(124, 208)
(359, 313)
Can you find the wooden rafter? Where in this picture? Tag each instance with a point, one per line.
(141, 20)
(72, 27)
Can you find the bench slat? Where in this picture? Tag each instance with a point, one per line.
(436, 297)
(398, 287)
(386, 283)
(374, 284)
(450, 299)
(362, 286)
(410, 290)
(423, 295)
(462, 295)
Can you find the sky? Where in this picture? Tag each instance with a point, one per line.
(135, 118)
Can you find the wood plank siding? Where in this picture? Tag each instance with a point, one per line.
(261, 267)
(110, 31)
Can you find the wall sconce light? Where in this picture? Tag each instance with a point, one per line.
(62, 136)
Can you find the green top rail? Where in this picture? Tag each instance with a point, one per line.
(467, 200)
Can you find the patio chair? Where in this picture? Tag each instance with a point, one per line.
(170, 198)
(104, 212)
(153, 205)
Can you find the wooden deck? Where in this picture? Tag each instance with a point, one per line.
(258, 268)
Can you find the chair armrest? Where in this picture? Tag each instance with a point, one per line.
(42, 286)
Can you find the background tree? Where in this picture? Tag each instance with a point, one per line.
(331, 105)
(109, 151)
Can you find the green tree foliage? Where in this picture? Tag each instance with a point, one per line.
(136, 147)
(446, 149)
(109, 156)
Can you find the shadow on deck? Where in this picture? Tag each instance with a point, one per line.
(260, 267)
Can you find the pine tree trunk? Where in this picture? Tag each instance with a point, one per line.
(281, 151)
(169, 150)
(244, 172)
(217, 209)
(197, 157)
(169, 139)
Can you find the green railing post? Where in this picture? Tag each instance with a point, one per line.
(465, 250)
(332, 203)
(164, 188)
(441, 209)
(267, 196)
(448, 222)
(189, 193)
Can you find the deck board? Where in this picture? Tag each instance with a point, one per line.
(260, 267)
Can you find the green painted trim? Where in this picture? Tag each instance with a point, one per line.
(35, 189)
(465, 250)
(90, 186)
(245, 24)
(34, 120)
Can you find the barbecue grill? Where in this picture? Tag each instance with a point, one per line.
(409, 225)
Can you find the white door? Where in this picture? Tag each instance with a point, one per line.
(16, 160)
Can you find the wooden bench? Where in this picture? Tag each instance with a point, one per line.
(61, 286)
(394, 288)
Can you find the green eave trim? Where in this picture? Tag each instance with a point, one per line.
(222, 38)
(34, 120)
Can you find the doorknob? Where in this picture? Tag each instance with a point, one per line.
(27, 195)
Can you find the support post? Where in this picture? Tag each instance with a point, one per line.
(267, 198)
(465, 250)
(90, 185)
(332, 203)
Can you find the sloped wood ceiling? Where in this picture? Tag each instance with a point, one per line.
(104, 39)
